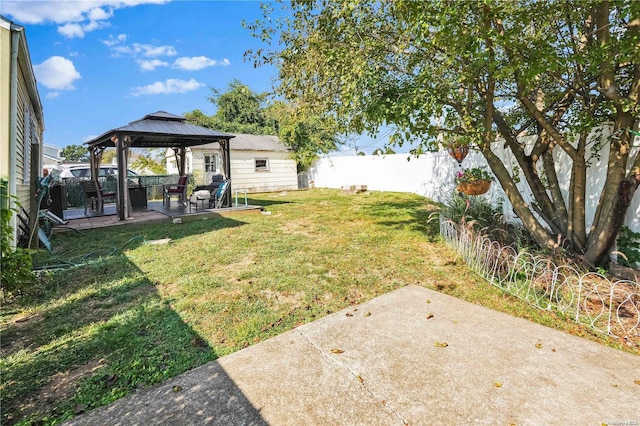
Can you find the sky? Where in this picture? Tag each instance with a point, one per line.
(101, 64)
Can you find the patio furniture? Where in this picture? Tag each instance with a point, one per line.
(219, 195)
(93, 192)
(199, 196)
(244, 192)
(175, 190)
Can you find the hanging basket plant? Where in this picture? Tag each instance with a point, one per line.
(474, 181)
(477, 187)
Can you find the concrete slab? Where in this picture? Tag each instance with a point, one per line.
(413, 356)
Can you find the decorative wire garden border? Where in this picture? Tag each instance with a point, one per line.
(609, 307)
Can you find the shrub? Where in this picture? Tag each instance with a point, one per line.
(15, 263)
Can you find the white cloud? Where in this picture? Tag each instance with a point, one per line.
(112, 41)
(99, 14)
(78, 30)
(152, 64)
(62, 12)
(171, 85)
(198, 63)
(146, 50)
(71, 30)
(75, 17)
(56, 73)
(52, 95)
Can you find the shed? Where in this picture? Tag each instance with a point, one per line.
(259, 163)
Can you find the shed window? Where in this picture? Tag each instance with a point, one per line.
(262, 165)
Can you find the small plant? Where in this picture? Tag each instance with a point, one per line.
(629, 247)
(472, 175)
(15, 263)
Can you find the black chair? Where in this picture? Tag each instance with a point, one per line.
(93, 192)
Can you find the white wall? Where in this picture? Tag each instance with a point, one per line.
(281, 175)
(432, 175)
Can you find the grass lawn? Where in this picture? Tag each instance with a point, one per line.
(134, 314)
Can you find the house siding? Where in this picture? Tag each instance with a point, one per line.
(281, 175)
(29, 125)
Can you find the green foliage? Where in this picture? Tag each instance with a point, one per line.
(488, 218)
(308, 136)
(385, 151)
(240, 110)
(16, 264)
(474, 72)
(74, 153)
(473, 174)
(146, 161)
(629, 246)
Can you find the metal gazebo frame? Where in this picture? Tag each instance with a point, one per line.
(158, 130)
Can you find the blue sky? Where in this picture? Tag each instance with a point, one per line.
(101, 64)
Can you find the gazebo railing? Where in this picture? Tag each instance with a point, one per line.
(153, 184)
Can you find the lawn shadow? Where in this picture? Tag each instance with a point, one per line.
(99, 332)
(207, 395)
(423, 216)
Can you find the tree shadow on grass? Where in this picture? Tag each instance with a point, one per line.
(101, 332)
(423, 216)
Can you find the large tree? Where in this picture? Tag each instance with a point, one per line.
(75, 153)
(240, 110)
(478, 72)
(307, 135)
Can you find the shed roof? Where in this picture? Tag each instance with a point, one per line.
(245, 142)
(160, 129)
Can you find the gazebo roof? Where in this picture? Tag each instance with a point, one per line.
(160, 130)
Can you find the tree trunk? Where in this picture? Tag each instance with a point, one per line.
(520, 206)
(615, 197)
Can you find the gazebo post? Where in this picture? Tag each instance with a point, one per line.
(122, 192)
(226, 153)
(95, 158)
(183, 161)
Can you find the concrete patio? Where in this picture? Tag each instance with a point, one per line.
(413, 356)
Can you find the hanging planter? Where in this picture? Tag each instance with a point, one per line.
(474, 181)
(476, 187)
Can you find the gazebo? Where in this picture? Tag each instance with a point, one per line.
(158, 130)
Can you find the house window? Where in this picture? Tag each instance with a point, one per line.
(211, 163)
(262, 165)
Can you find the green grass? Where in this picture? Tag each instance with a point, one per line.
(135, 314)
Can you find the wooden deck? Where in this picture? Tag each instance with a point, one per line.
(155, 212)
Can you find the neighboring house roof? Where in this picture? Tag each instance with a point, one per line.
(50, 153)
(160, 129)
(244, 142)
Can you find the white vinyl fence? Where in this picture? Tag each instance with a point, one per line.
(432, 175)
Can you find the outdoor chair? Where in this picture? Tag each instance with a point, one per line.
(93, 193)
(219, 195)
(216, 181)
(199, 196)
(176, 190)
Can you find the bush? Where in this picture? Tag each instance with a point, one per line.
(488, 219)
(15, 263)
